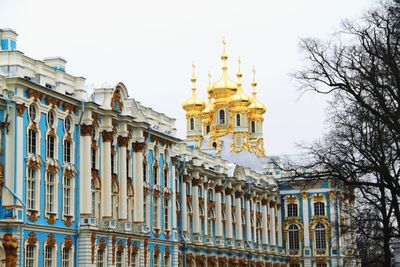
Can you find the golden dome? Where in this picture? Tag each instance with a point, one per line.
(240, 98)
(224, 87)
(255, 105)
(194, 103)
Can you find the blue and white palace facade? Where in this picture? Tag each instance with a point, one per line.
(101, 180)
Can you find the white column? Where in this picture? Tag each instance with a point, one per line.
(20, 134)
(218, 210)
(248, 219)
(85, 171)
(264, 208)
(228, 202)
(305, 220)
(106, 183)
(333, 219)
(279, 226)
(123, 199)
(173, 199)
(184, 205)
(9, 167)
(206, 209)
(272, 223)
(239, 233)
(138, 182)
(196, 208)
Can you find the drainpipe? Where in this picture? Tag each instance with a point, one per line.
(185, 246)
(21, 238)
(78, 218)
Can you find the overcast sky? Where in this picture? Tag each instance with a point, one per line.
(150, 46)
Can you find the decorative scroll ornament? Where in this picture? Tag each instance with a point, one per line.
(32, 239)
(156, 250)
(51, 219)
(167, 252)
(135, 248)
(20, 109)
(122, 141)
(68, 221)
(121, 246)
(116, 100)
(32, 216)
(102, 244)
(92, 245)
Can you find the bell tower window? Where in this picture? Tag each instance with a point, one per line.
(222, 116)
(191, 122)
(238, 122)
(207, 128)
(253, 126)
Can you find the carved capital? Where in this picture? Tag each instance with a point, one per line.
(228, 191)
(20, 109)
(219, 188)
(107, 136)
(264, 202)
(86, 130)
(123, 141)
(196, 182)
(304, 195)
(138, 146)
(238, 194)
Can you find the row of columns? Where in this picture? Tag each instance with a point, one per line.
(271, 212)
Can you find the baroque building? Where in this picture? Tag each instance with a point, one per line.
(101, 180)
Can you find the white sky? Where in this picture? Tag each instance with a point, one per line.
(150, 46)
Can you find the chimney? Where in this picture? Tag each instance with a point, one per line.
(8, 40)
(57, 63)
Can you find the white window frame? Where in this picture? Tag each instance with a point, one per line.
(166, 213)
(53, 259)
(48, 195)
(71, 188)
(35, 255)
(104, 259)
(155, 213)
(71, 256)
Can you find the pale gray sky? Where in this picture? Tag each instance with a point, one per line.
(150, 46)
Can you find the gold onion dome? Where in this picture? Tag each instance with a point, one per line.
(224, 87)
(239, 98)
(194, 103)
(255, 105)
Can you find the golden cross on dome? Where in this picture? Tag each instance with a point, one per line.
(209, 77)
(254, 73)
(224, 42)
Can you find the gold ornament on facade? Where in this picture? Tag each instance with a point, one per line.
(20, 109)
(32, 239)
(117, 100)
(68, 221)
(32, 216)
(291, 199)
(120, 247)
(86, 130)
(68, 242)
(304, 195)
(50, 240)
(102, 244)
(332, 195)
(318, 198)
(51, 219)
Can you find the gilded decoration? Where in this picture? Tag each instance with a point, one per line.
(33, 164)
(156, 250)
(20, 109)
(102, 244)
(122, 141)
(138, 146)
(323, 220)
(34, 94)
(291, 199)
(292, 221)
(68, 107)
(32, 216)
(52, 101)
(211, 260)
(10, 245)
(189, 257)
(332, 195)
(304, 195)
(120, 247)
(92, 246)
(200, 259)
(116, 100)
(95, 119)
(32, 239)
(51, 169)
(135, 248)
(50, 241)
(51, 219)
(167, 252)
(68, 242)
(318, 198)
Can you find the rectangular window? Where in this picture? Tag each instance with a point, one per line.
(292, 210)
(66, 257)
(32, 136)
(67, 194)
(118, 262)
(31, 190)
(50, 193)
(50, 147)
(155, 175)
(48, 257)
(319, 209)
(100, 258)
(166, 261)
(166, 178)
(133, 259)
(67, 151)
(144, 172)
(30, 256)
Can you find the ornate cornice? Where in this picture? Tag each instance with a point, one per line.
(87, 129)
(107, 136)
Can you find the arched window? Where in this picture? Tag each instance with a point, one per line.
(32, 190)
(146, 210)
(191, 122)
(253, 126)
(30, 255)
(320, 238)
(189, 218)
(156, 260)
(234, 224)
(259, 232)
(144, 171)
(167, 260)
(238, 121)
(166, 176)
(155, 175)
(130, 201)
(67, 196)
(134, 259)
(49, 256)
(118, 260)
(32, 141)
(222, 116)
(292, 210)
(66, 257)
(319, 209)
(207, 128)
(101, 258)
(67, 151)
(214, 145)
(51, 119)
(293, 237)
(95, 198)
(32, 113)
(50, 147)
(211, 222)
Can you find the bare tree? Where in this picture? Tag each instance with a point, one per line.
(360, 68)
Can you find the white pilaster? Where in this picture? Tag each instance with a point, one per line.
(184, 206)
(272, 223)
(218, 210)
(85, 171)
(248, 220)
(239, 233)
(228, 202)
(138, 182)
(264, 221)
(106, 174)
(196, 208)
(306, 221)
(123, 208)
